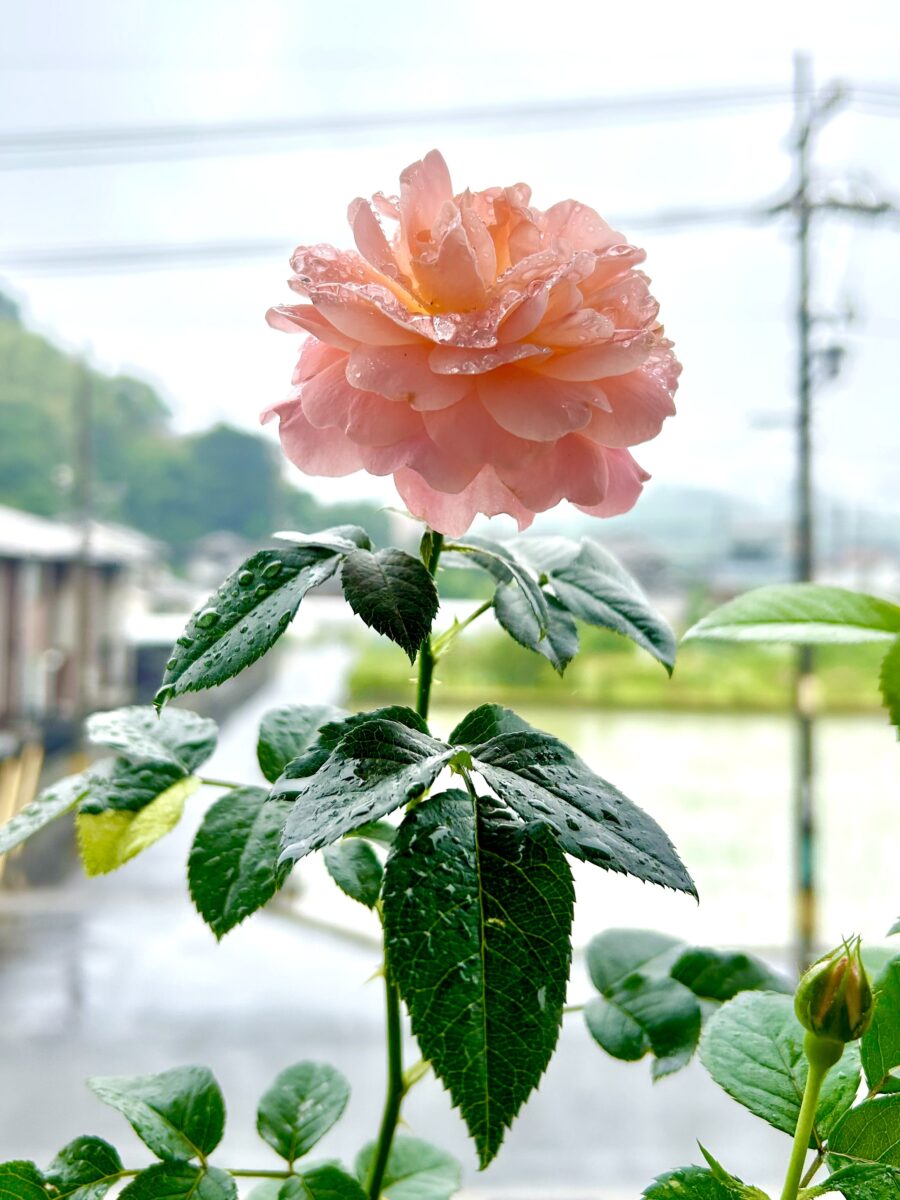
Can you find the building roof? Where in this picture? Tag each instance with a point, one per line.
(24, 535)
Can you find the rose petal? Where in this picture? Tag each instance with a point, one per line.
(571, 469)
(640, 403)
(315, 451)
(402, 373)
(424, 188)
(326, 397)
(579, 226)
(374, 421)
(456, 360)
(303, 318)
(468, 432)
(534, 407)
(370, 239)
(315, 356)
(449, 279)
(598, 362)
(626, 481)
(355, 314)
(452, 515)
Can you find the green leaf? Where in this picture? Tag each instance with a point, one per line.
(375, 767)
(85, 1169)
(753, 1048)
(303, 1103)
(546, 554)
(646, 1013)
(698, 1183)
(342, 539)
(596, 588)
(286, 732)
(331, 733)
(245, 617)
(179, 1114)
(722, 974)
(617, 953)
(381, 832)
(869, 1133)
(889, 681)
(800, 613)
(501, 564)
(415, 1171)
(880, 1045)
(559, 644)
(393, 593)
(895, 928)
(860, 1181)
(52, 803)
(543, 780)
(115, 785)
(486, 722)
(356, 869)
(107, 840)
(142, 735)
(478, 913)
(21, 1180)
(181, 1181)
(327, 1182)
(233, 867)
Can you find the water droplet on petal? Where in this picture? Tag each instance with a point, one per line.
(207, 618)
(245, 579)
(273, 569)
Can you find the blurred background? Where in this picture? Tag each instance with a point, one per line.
(158, 162)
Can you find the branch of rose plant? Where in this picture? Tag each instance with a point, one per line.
(440, 644)
(236, 1172)
(820, 1156)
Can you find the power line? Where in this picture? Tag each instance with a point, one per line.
(166, 255)
(33, 149)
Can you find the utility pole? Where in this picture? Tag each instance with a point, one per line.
(83, 417)
(804, 829)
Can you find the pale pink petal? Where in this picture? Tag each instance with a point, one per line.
(455, 360)
(534, 407)
(303, 318)
(355, 315)
(402, 373)
(598, 362)
(326, 397)
(374, 421)
(640, 403)
(467, 432)
(315, 451)
(453, 514)
(525, 316)
(424, 188)
(626, 481)
(571, 469)
(315, 356)
(441, 471)
(579, 226)
(479, 239)
(579, 328)
(370, 239)
(448, 277)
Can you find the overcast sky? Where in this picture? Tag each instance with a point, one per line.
(726, 290)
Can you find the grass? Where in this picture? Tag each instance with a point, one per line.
(610, 672)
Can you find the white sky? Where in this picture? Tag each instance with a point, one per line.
(726, 291)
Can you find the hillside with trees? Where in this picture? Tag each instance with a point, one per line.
(171, 486)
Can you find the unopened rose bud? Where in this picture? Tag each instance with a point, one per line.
(834, 999)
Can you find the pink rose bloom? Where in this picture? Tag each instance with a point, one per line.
(492, 357)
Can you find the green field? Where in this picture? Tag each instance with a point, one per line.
(611, 673)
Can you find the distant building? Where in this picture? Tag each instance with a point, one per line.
(53, 658)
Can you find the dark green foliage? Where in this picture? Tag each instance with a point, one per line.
(393, 593)
(245, 617)
(284, 733)
(181, 1181)
(179, 1114)
(415, 1171)
(327, 1182)
(721, 974)
(356, 869)
(140, 734)
(303, 1103)
(753, 1048)
(869, 1133)
(20, 1180)
(119, 786)
(233, 867)
(558, 644)
(85, 1169)
(478, 912)
(880, 1046)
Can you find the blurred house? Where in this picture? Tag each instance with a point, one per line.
(66, 596)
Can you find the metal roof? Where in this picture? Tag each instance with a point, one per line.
(26, 536)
